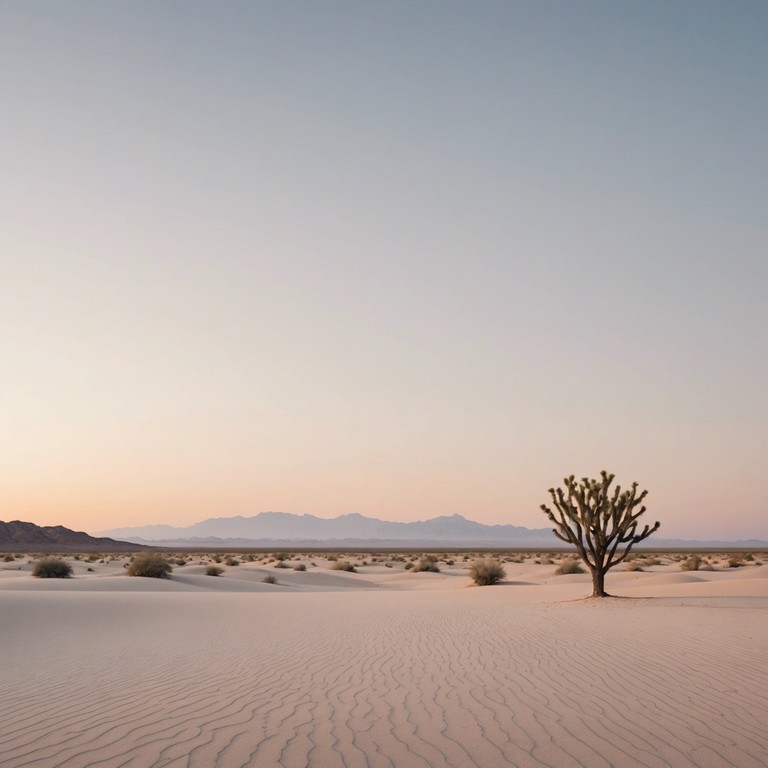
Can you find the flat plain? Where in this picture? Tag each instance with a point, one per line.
(384, 667)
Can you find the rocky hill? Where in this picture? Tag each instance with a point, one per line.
(17, 536)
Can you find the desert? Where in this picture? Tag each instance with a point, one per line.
(383, 666)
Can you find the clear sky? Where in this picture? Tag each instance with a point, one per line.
(397, 258)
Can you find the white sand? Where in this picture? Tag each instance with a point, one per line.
(383, 668)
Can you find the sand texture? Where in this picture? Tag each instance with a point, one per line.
(384, 668)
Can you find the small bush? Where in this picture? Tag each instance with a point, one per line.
(343, 565)
(52, 568)
(281, 556)
(150, 565)
(231, 561)
(426, 565)
(486, 572)
(634, 565)
(692, 563)
(281, 564)
(570, 565)
(8, 558)
(180, 561)
(735, 562)
(299, 567)
(214, 570)
(269, 579)
(408, 566)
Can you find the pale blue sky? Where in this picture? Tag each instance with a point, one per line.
(402, 259)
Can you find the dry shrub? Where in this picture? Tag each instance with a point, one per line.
(567, 566)
(269, 579)
(299, 567)
(52, 568)
(214, 570)
(427, 564)
(692, 563)
(343, 565)
(486, 572)
(150, 565)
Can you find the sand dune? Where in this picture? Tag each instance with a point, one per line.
(400, 670)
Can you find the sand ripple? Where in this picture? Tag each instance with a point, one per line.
(381, 680)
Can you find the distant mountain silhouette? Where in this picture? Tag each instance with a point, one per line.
(17, 535)
(285, 527)
(270, 529)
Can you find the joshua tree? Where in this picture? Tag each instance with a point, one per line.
(601, 524)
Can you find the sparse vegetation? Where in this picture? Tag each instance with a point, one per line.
(8, 558)
(427, 564)
(52, 568)
(150, 565)
(214, 570)
(567, 566)
(343, 565)
(692, 563)
(486, 572)
(269, 579)
(299, 567)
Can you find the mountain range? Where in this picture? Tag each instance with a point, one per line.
(269, 529)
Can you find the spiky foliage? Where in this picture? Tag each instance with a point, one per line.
(601, 523)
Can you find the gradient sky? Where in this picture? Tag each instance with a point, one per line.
(397, 258)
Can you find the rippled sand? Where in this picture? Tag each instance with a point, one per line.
(384, 668)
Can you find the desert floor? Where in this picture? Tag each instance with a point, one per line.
(383, 668)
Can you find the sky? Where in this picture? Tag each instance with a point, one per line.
(404, 259)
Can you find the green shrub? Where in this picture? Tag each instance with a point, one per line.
(150, 565)
(214, 570)
(408, 566)
(569, 565)
(52, 568)
(486, 572)
(180, 561)
(9, 558)
(692, 563)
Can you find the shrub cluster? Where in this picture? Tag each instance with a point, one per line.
(343, 565)
(52, 568)
(569, 565)
(486, 572)
(426, 564)
(150, 564)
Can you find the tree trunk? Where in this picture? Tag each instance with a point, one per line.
(598, 583)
